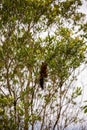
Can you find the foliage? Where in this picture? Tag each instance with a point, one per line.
(33, 31)
(84, 107)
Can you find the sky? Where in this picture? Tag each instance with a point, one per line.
(84, 6)
(82, 78)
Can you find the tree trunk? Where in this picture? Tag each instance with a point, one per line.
(26, 111)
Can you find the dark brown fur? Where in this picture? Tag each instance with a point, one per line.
(43, 74)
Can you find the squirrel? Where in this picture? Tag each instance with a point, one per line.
(43, 74)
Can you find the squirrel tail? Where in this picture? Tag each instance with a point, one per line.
(42, 82)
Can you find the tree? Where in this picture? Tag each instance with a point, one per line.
(23, 48)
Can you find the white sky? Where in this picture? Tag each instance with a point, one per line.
(82, 78)
(82, 81)
(84, 6)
